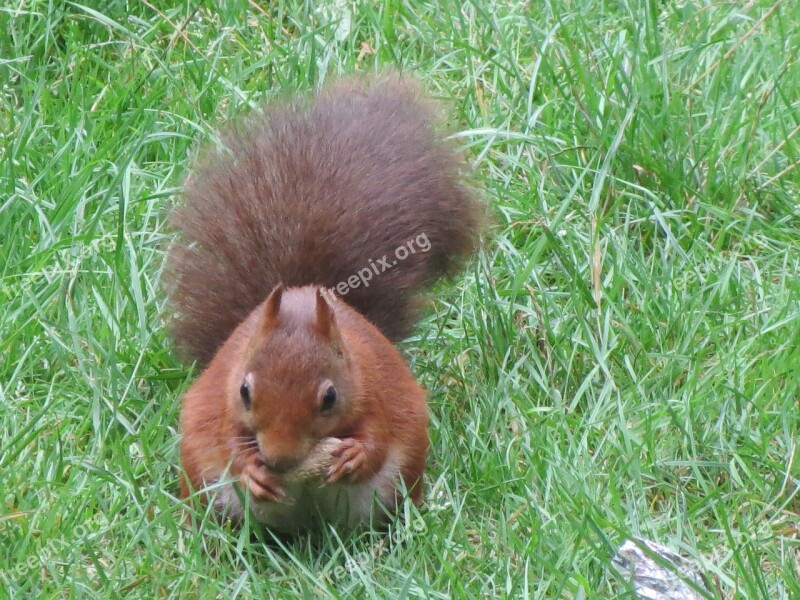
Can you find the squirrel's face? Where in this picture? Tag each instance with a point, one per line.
(296, 387)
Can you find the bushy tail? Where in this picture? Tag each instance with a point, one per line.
(355, 190)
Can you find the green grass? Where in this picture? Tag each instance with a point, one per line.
(623, 358)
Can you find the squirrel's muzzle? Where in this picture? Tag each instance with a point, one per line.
(280, 464)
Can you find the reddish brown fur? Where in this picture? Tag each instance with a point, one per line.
(307, 193)
(387, 410)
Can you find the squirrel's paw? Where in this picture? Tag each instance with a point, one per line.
(348, 459)
(262, 485)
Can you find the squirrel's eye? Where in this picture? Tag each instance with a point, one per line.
(244, 392)
(328, 399)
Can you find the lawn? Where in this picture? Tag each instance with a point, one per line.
(621, 359)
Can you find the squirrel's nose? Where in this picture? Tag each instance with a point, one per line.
(279, 464)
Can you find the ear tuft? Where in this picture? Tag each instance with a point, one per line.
(272, 309)
(326, 322)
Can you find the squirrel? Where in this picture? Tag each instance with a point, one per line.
(306, 241)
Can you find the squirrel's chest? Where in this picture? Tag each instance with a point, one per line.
(346, 505)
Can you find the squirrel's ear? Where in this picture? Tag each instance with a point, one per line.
(272, 308)
(326, 321)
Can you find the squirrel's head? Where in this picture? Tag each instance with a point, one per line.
(296, 386)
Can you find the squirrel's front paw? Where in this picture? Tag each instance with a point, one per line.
(348, 459)
(262, 485)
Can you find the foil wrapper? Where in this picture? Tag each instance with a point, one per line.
(658, 573)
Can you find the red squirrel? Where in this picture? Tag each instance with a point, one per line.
(294, 273)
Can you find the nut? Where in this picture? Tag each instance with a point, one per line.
(316, 464)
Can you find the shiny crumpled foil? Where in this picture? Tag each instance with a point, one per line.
(664, 578)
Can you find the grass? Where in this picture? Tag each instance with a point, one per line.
(621, 360)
